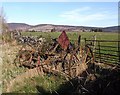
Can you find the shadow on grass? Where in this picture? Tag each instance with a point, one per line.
(99, 82)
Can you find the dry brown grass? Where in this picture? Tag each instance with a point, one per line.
(9, 70)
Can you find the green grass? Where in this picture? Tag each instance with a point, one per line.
(9, 70)
(74, 35)
(48, 83)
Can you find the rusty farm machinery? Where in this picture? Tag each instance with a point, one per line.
(57, 56)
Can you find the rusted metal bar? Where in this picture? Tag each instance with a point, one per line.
(79, 40)
(107, 54)
(104, 40)
(107, 50)
(70, 64)
(109, 46)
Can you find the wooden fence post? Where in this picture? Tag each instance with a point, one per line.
(99, 51)
(119, 51)
(85, 40)
(94, 47)
(79, 40)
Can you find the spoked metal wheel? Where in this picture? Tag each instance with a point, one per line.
(76, 61)
(24, 56)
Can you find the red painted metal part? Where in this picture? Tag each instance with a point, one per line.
(63, 40)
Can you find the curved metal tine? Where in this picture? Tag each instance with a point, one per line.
(91, 54)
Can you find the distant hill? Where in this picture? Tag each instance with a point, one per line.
(110, 29)
(18, 26)
(51, 27)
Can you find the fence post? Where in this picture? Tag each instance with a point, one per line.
(79, 40)
(94, 47)
(119, 51)
(99, 51)
(94, 43)
(85, 41)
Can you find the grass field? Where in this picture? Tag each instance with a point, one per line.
(74, 35)
(48, 83)
(9, 70)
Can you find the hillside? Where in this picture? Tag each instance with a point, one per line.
(18, 26)
(49, 27)
(112, 29)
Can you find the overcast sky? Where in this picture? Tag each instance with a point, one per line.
(100, 14)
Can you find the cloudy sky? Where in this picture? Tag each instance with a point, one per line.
(100, 14)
